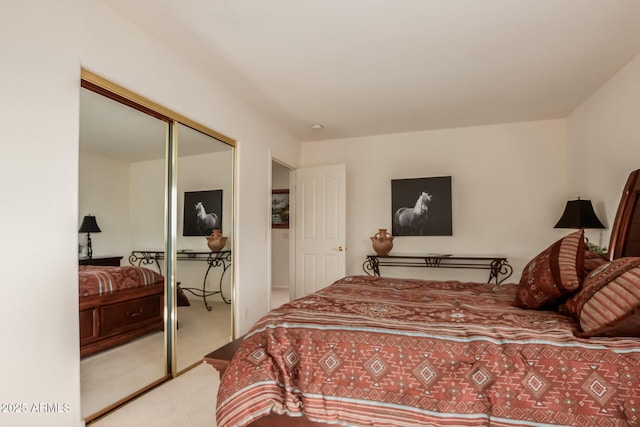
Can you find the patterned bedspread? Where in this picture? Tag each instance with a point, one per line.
(99, 280)
(369, 351)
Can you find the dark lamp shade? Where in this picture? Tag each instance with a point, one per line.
(89, 225)
(579, 214)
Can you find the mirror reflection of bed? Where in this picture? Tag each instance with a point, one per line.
(122, 175)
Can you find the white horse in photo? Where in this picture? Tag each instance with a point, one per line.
(207, 222)
(412, 221)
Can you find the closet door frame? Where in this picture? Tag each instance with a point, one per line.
(99, 85)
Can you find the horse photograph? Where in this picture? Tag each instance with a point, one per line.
(202, 212)
(421, 207)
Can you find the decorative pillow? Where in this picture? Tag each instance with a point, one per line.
(609, 302)
(553, 273)
(592, 261)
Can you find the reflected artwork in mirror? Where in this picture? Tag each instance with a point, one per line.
(202, 212)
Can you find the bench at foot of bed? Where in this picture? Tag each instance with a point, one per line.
(221, 357)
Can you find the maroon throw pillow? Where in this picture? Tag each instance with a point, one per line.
(609, 302)
(553, 273)
(592, 261)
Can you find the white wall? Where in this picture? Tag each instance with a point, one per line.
(104, 192)
(604, 142)
(44, 45)
(147, 193)
(39, 211)
(508, 185)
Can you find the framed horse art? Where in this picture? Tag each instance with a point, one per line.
(421, 206)
(202, 212)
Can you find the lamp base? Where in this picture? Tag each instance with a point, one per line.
(89, 249)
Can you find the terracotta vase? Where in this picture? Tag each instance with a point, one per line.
(382, 242)
(216, 241)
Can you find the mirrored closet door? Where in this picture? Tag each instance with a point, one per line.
(121, 184)
(153, 297)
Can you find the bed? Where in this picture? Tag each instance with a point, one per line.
(117, 304)
(560, 347)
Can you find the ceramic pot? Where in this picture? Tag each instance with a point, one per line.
(382, 242)
(216, 241)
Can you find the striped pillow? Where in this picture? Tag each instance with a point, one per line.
(609, 301)
(553, 273)
(591, 262)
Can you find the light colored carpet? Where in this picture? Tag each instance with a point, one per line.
(201, 331)
(111, 375)
(279, 296)
(186, 401)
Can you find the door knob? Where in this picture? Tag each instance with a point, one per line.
(340, 249)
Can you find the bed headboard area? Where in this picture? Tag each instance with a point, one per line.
(625, 235)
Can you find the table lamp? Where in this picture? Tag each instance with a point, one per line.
(89, 225)
(579, 214)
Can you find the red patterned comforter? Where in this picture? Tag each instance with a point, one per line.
(369, 351)
(99, 280)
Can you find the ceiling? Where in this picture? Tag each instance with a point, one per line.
(365, 67)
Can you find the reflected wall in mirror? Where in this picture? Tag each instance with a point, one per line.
(205, 168)
(121, 183)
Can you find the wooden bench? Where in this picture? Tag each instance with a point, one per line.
(221, 357)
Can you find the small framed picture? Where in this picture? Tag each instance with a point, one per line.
(280, 208)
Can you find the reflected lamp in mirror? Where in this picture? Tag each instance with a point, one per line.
(579, 214)
(89, 225)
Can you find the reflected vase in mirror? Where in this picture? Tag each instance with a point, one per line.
(382, 242)
(216, 241)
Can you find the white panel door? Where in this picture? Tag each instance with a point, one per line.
(320, 227)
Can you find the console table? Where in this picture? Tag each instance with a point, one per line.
(221, 259)
(498, 266)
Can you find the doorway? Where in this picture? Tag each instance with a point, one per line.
(281, 236)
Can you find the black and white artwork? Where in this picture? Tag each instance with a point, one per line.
(202, 212)
(421, 206)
